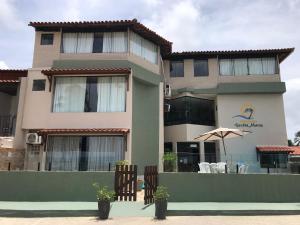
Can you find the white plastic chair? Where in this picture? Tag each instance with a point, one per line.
(204, 167)
(243, 169)
(213, 167)
(221, 167)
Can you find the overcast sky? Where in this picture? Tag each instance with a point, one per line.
(190, 25)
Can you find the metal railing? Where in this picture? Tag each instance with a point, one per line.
(7, 125)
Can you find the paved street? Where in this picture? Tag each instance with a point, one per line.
(205, 220)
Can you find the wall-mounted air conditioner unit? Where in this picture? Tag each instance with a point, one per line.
(168, 92)
(33, 138)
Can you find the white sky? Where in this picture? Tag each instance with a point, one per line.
(189, 24)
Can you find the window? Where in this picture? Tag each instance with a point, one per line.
(108, 42)
(84, 153)
(188, 156)
(47, 39)
(176, 69)
(90, 94)
(190, 110)
(247, 66)
(143, 48)
(98, 43)
(168, 147)
(210, 152)
(273, 160)
(39, 85)
(200, 68)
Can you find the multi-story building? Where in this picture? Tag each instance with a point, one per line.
(99, 92)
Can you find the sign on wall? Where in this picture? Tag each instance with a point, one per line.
(246, 118)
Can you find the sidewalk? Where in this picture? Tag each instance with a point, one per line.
(138, 209)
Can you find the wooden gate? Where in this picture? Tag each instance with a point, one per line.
(151, 182)
(126, 182)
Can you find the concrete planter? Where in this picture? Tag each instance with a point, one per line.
(104, 208)
(161, 206)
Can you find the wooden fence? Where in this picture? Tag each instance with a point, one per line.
(126, 182)
(151, 182)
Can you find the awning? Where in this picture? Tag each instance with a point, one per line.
(274, 149)
(11, 76)
(296, 151)
(84, 131)
(55, 72)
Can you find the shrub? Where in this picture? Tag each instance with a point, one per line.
(103, 194)
(161, 193)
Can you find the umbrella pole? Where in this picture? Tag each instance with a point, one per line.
(224, 145)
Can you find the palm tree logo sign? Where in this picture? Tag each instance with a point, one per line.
(247, 112)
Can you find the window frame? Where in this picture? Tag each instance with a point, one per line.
(275, 157)
(43, 36)
(185, 113)
(54, 89)
(178, 75)
(276, 68)
(35, 85)
(207, 68)
(83, 147)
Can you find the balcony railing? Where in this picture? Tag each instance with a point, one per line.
(7, 125)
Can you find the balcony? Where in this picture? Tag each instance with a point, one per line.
(190, 110)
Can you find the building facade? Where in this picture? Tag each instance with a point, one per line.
(100, 92)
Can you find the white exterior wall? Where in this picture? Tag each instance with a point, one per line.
(268, 111)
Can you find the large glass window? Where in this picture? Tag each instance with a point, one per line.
(176, 69)
(189, 110)
(273, 160)
(84, 153)
(247, 66)
(143, 48)
(108, 42)
(90, 94)
(200, 68)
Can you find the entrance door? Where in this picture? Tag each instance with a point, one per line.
(210, 152)
(188, 156)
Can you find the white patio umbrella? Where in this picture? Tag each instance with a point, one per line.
(220, 134)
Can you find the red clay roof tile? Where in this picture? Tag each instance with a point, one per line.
(85, 131)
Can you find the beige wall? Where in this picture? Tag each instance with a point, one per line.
(38, 112)
(268, 111)
(213, 79)
(45, 54)
(19, 142)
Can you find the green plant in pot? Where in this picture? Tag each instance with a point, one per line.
(161, 202)
(122, 163)
(169, 159)
(104, 197)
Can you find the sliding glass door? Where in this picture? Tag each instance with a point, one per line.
(84, 153)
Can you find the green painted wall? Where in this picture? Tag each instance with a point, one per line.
(138, 71)
(194, 187)
(238, 88)
(145, 125)
(252, 88)
(183, 187)
(52, 186)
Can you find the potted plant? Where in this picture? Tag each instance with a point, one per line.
(122, 163)
(104, 197)
(169, 159)
(161, 202)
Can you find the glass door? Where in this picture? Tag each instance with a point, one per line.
(188, 156)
